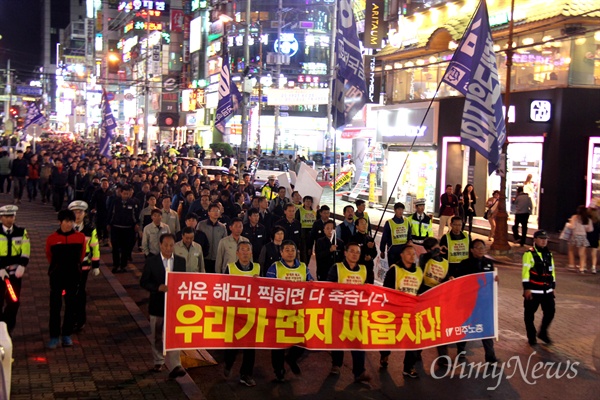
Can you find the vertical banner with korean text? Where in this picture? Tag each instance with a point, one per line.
(473, 72)
(223, 311)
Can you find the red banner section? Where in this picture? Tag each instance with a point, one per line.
(223, 311)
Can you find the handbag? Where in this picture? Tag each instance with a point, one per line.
(566, 233)
(486, 214)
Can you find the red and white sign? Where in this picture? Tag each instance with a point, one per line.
(176, 20)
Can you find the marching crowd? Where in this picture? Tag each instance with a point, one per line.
(184, 220)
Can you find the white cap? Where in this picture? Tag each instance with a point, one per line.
(420, 202)
(78, 205)
(8, 210)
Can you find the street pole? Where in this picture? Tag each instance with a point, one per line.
(277, 135)
(146, 88)
(500, 244)
(245, 94)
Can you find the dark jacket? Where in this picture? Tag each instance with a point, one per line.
(269, 254)
(325, 257)
(257, 236)
(292, 230)
(153, 276)
(19, 168)
(473, 265)
(363, 241)
(59, 178)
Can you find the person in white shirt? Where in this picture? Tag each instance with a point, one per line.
(227, 250)
(152, 233)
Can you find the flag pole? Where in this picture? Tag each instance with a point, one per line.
(332, 119)
(500, 244)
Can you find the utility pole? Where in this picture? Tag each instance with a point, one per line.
(500, 244)
(245, 92)
(277, 135)
(146, 88)
(7, 103)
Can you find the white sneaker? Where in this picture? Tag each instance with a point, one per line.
(594, 269)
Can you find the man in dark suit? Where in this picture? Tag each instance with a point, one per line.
(153, 280)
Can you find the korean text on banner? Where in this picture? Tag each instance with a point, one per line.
(340, 180)
(224, 311)
(473, 72)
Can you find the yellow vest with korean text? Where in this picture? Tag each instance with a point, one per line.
(458, 250)
(234, 270)
(291, 274)
(399, 231)
(307, 218)
(351, 277)
(408, 282)
(435, 272)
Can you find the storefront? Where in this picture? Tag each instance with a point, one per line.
(408, 135)
(557, 148)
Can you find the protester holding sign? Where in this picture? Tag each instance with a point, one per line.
(289, 269)
(350, 272)
(406, 277)
(245, 267)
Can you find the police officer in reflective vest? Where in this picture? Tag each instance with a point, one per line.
(406, 277)
(288, 269)
(396, 234)
(421, 224)
(350, 272)
(14, 257)
(91, 261)
(539, 282)
(244, 267)
(307, 217)
(456, 245)
(269, 189)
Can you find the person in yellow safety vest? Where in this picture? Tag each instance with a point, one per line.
(396, 234)
(361, 213)
(539, 282)
(91, 261)
(289, 269)
(269, 189)
(14, 257)
(353, 273)
(405, 277)
(456, 245)
(307, 217)
(244, 267)
(421, 224)
(172, 152)
(435, 271)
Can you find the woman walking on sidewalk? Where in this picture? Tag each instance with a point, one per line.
(594, 236)
(580, 223)
(469, 199)
(492, 210)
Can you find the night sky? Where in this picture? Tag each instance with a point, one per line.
(21, 34)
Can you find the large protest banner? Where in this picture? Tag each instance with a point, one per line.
(222, 311)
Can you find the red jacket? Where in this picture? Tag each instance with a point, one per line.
(65, 251)
(33, 171)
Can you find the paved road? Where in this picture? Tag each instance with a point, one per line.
(112, 356)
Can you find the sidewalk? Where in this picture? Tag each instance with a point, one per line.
(111, 357)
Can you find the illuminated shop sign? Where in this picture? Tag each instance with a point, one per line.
(143, 26)
(198, 4)
(402, 125)
(540, 110)
(289, 44)
(238, 41)
(128, 6)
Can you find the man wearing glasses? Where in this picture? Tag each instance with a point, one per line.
(476, 263)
